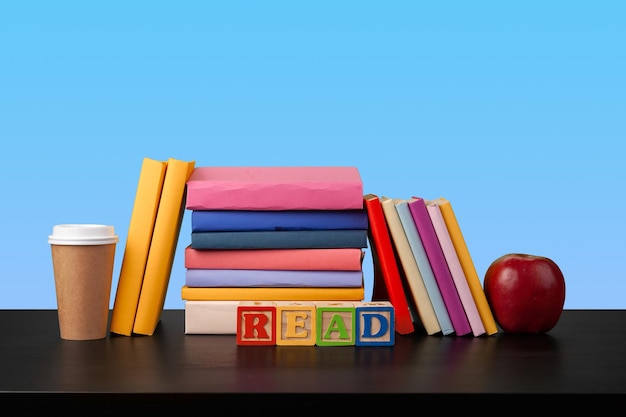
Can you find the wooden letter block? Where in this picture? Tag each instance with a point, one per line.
(295, 323)
(335, 323)
(375, 323)
(256, 323)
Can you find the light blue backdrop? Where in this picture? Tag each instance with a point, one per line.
(514, 111)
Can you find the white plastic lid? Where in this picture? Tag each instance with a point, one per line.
(82, 234)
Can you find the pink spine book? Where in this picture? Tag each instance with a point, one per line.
(456, 270)
(339, 259)
(439, 266)
(275, 188)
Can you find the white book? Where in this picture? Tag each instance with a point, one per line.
(211, 317)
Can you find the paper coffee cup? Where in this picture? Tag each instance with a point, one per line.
(83, 256)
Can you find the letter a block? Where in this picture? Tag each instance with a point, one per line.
(335, 324)
(256, 323)
(295, 323)
(375, 323)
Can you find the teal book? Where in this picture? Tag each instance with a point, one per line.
(280, 239)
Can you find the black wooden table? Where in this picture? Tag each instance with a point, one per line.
(582, 360)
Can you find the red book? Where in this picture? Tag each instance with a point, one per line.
(388, 284)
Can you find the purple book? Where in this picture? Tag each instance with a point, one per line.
(271, 278)
(439, 266)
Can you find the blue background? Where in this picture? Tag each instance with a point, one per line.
(514, 111)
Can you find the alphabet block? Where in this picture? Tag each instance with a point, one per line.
(256, 323)
(310, 323)
(335, 323)
(295, 323)
(375, 323)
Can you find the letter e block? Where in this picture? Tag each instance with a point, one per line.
(375, 323)
(295, 323)
(335, 323)
(256, 323)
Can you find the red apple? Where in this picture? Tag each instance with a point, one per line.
(526, 293)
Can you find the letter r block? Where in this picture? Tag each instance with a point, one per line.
(375, 323)
(335, 323)
(256, 323)
(295, 323)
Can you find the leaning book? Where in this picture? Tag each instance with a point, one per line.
(388, 284)
(162, 247)
(414, 280)
(138, 241)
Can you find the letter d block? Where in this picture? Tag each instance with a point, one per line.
(295, 323)
(256, 323)
(375, 323)
(335, 323)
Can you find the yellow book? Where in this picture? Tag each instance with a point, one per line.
(478, 293)
(273, 293)
(412, 274)
(138, 240)
(163, 246)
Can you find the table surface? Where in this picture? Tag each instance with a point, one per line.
(585, 354)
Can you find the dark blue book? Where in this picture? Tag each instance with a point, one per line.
(281, 239)
(244, 220)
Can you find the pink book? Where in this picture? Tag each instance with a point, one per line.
(439, 266)
(337, 259)
(275, 188)
(456, 270)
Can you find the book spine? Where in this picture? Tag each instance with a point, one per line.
(417, 248)
(137, 246)
(469, 269)
(248, 220)
(271, 278)
(162, 247)
(334, 259)
(283, 239)
(211, 317)
(455, 270)
(275, 188)
(440, 268)
(387, 281)
(414, 280)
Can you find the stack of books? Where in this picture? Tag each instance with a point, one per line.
(271, 234)
(292, 234)
(423, 266)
